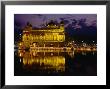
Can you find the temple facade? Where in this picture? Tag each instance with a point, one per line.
(51, 35)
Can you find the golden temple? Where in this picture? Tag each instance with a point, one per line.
(52, 35)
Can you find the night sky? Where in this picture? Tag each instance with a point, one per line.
(77, 26)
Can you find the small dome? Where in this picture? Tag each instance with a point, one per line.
(28, 24)
(51, 23)
(62, 22)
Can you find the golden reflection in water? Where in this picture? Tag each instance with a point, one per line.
(43, 60)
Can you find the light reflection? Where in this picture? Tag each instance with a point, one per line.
(43, 60)
(83, 53)
(71, 54)
(49, 61)
(93, 53)
(20, 60)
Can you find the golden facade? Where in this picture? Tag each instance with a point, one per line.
(50, 35)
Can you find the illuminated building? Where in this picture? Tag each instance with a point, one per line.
(52, 35)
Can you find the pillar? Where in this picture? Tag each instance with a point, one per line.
(44, 44)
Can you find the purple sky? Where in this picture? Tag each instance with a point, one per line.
(37, 19)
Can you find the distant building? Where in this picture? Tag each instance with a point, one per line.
(52, 35)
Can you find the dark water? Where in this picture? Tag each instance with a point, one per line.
(42, 63)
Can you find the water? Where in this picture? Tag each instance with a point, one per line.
(55, 63)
